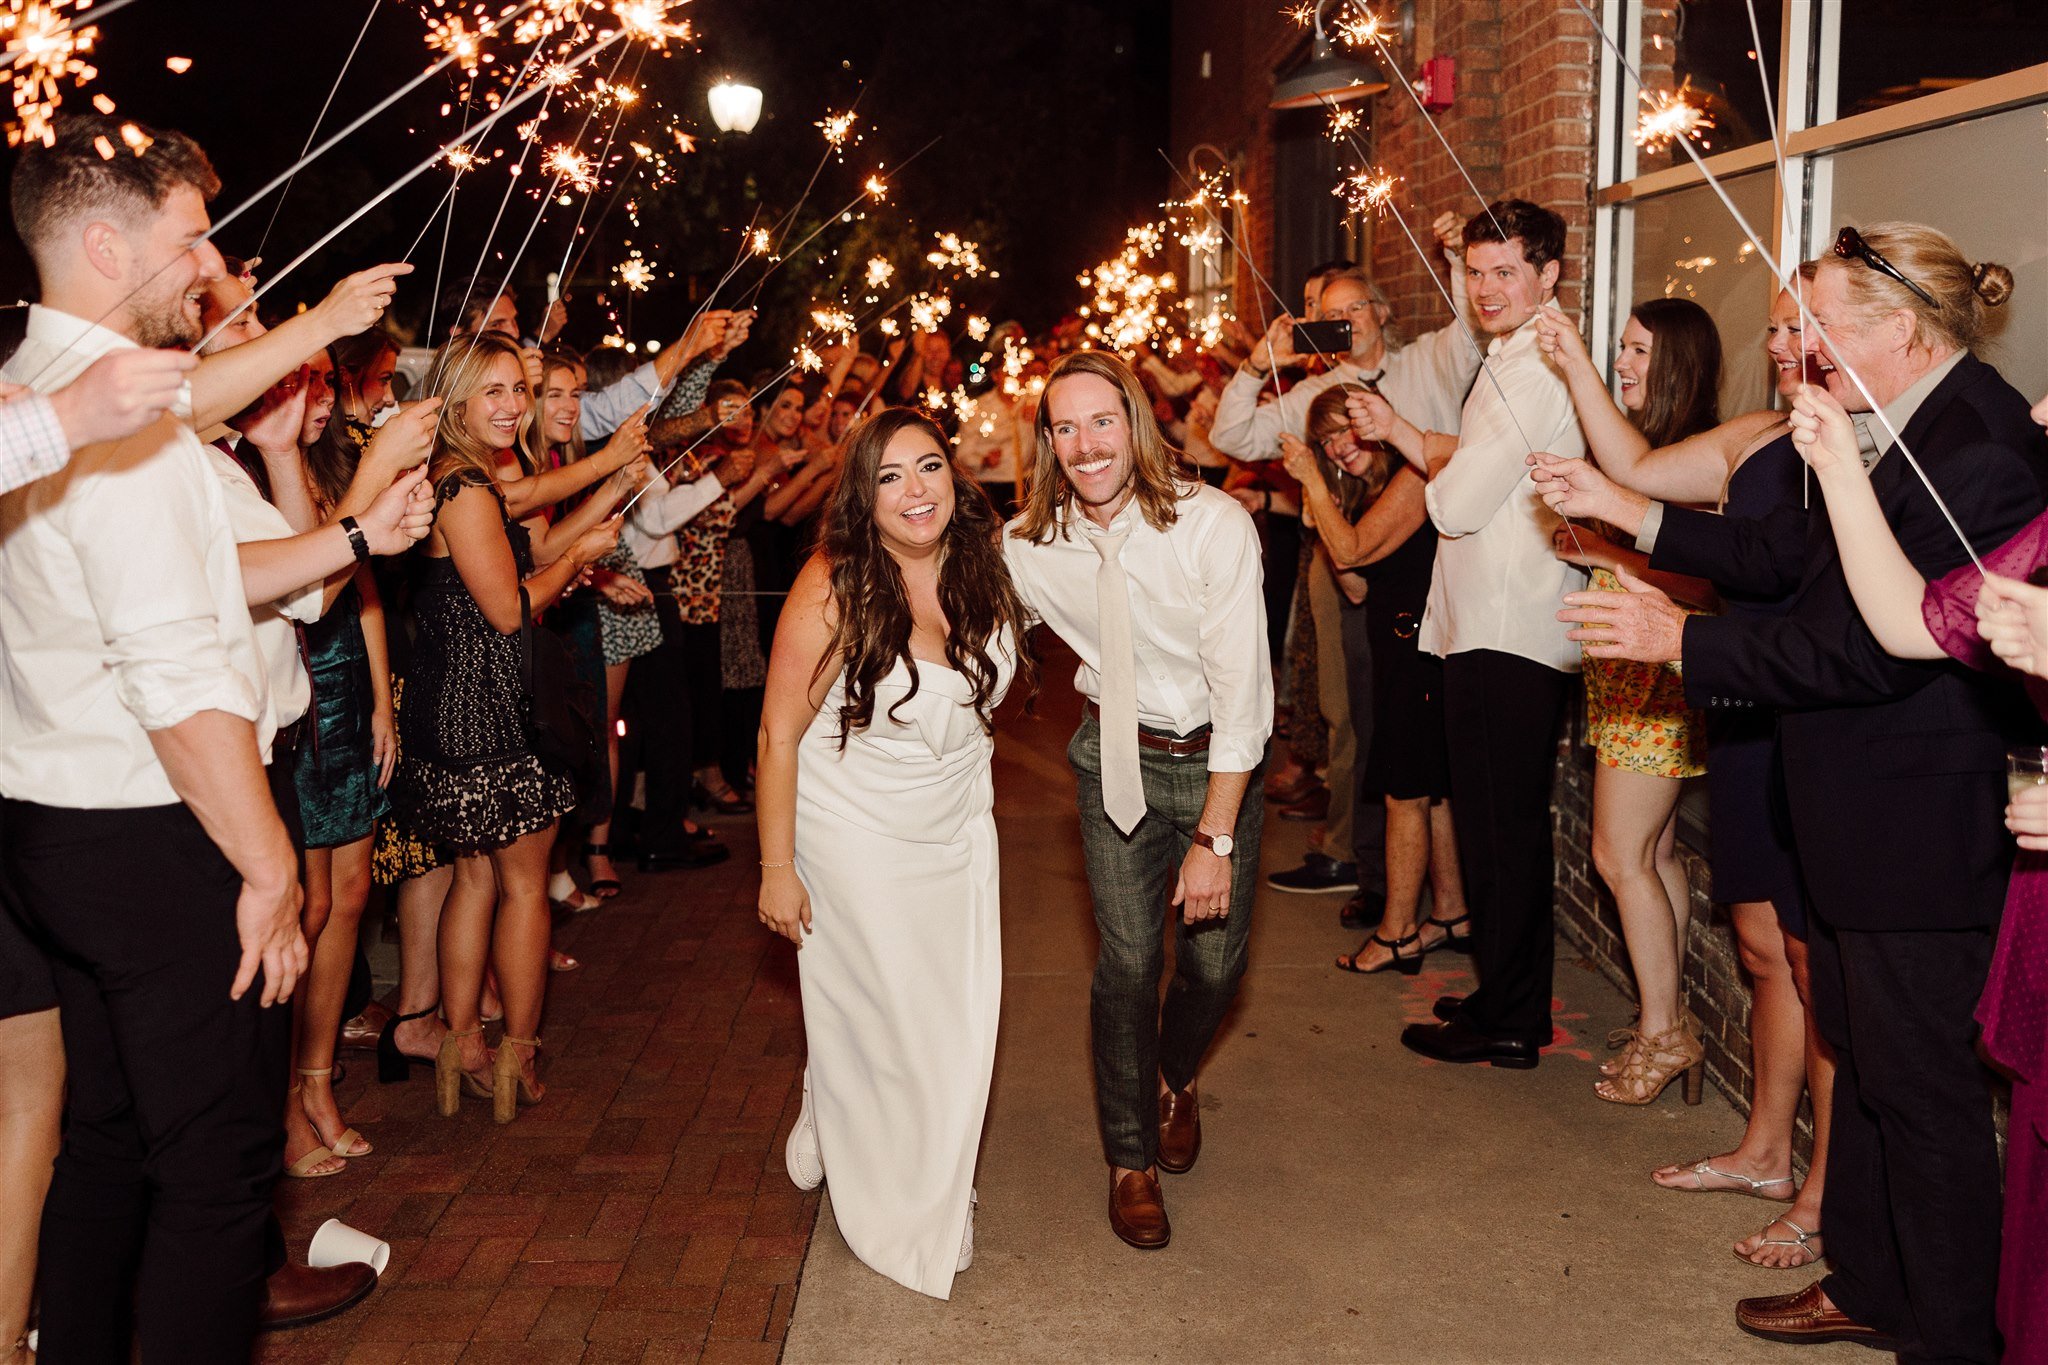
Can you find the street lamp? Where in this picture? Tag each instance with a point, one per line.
(735, 108)
(1326, 77)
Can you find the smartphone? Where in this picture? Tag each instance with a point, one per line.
(1330, 337)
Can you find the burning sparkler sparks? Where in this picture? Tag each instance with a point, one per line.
(635, 273)
(1344, 123)
(955, 254)
(1125, 311)
(1669, 115)
(648, 22)
(927, 311)
(879, 272)
(977, 328)
(834, 321)
(1367, 191)
(839, 130)
(761, 243)
(809, 360)
(877, 189)
(47, 49)
(570, 167)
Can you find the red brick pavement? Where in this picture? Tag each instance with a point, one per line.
(641, 1212)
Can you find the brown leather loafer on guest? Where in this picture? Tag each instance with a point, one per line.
(299, 1294)
(1180, 1130)
(362, 1031)
(1137, 1211)
(1801, 1318)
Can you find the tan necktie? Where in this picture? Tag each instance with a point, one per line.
(1123, 786)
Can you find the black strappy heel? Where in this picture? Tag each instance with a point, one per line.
(1406, 966)
(604, 888)
(392, 1065)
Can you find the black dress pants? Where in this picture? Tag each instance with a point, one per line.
(658, 708)
(1501, 714)
(173, 1134)
(1912, 1204)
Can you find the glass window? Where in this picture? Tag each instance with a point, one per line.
(1981, 182)
(1688, 246)
(1894, 50)
(1701, 51)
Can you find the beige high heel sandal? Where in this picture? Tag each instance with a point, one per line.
(450, 1080)
(350, 1144)
(1657, 1060)
(302, 1169)
(509, 1086)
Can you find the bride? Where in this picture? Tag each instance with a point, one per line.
(878, 842)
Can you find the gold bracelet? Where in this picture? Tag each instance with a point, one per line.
(790, 863)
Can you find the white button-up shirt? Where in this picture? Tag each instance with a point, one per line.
(253, 518)
(1498, 583)
(32, 441)
(1425, 381)
(1198, 617)
(123, 607)
(664, 509)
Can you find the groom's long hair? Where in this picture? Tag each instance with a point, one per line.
(980, 603)
(1162, 477)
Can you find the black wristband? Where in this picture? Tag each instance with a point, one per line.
(357, 541)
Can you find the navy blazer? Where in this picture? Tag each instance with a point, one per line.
(1893, 768)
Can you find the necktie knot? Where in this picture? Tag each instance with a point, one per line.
(1110, 545)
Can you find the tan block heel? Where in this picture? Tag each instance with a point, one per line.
(448, 1072)
(509, 1086)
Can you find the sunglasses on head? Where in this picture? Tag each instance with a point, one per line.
(1849, 245)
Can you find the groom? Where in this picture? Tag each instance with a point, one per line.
(1154, 580)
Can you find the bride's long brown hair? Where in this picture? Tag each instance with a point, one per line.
(975, 592)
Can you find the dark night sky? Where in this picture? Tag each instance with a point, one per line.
(1048, 114)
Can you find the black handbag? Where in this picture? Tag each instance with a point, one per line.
(564, 714)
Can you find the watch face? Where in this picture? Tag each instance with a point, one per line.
(1221, 845)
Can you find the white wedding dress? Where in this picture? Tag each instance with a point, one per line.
(902, 970)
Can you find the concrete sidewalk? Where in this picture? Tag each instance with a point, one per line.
(1353, 1202)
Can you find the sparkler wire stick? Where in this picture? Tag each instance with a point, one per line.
(318, 119)
(830, 219)
(421, 169)
(789, 219)
(1806, 318)
(603, 156)
(772, 381)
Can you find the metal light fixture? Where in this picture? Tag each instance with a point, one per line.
(735, 108)
(1327, 77)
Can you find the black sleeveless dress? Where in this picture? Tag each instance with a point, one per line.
(468, 777)
(1749, 839)
(1408, 758)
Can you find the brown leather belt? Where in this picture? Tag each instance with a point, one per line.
(1197, 743)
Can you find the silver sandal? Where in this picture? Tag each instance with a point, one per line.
(1704, 1167)
(1802, 1241)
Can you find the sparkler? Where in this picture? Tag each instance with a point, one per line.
(1807, 319)
(879, 272)
(1343, 123)
(647, 21)
(977, 328)
(1367, 191)
(877, 189)
(955, 254)
(839, 131)
(1668, 116)
(759, 244)
(928, 310)
(635, 273)
(1126, 307)
(570, 166)
(834, 321)
(47, 49)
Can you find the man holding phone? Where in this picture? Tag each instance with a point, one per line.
(1432, 374)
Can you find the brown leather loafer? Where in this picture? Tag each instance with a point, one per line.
(1180, 1130)
(299, 1294)
(362, 1031)
(1801, 1318)
(1137, 1211)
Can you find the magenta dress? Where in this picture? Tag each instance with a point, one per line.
(2014, 1009)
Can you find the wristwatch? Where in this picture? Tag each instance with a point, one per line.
(1222, 845)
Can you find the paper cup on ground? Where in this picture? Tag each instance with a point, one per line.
(336, 1243)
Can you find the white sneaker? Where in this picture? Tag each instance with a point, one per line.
(800, 1154)
(967, 1237)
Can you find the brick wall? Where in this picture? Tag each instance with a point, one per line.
(1522, 122)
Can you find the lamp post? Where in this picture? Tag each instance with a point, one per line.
(735, 108)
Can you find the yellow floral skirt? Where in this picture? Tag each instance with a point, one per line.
(1636, 716)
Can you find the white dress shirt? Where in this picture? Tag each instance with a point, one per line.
(123, 609)
(1425, 380)
(1198, 617)
(663, 510)
(1498, 583)
(605, 410)
(252, 518)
